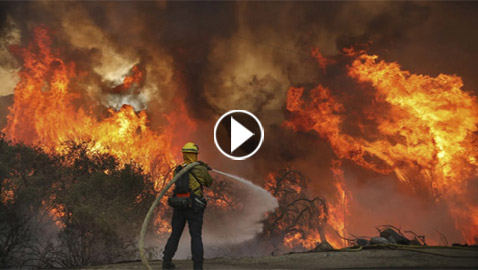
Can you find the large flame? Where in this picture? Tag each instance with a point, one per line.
(48, 112)
(426, 132)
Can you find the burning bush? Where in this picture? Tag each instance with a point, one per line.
(26, 175)
(69, 210)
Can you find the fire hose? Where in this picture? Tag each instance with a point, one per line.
(423, 249)
(144, 259)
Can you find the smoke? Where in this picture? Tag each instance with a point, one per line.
(215, 57)
(379, 200)
(9, 66)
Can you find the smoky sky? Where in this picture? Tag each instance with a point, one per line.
(246, 55)
(429, 38)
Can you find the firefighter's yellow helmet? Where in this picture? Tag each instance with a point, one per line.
(190, 148)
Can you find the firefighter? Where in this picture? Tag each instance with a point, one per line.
(189, 204)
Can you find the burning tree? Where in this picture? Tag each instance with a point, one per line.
(421, 129)
(299, 221)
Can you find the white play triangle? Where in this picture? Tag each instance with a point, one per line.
(239, 134)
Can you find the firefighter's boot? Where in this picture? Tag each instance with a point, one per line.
(197, 266)
(168, 265)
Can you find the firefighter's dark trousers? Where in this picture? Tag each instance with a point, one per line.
(194, 219)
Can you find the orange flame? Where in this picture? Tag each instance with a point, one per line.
(321, 59)
(44, 112)
(135, 77)
(427, 135)
(338, 212)
(308, 241)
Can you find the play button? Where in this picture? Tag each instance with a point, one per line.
(238, 134)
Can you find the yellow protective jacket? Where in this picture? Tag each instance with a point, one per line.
(200, 172)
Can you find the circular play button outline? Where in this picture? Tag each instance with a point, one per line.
(258, 145)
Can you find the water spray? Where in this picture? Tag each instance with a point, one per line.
(246, 182)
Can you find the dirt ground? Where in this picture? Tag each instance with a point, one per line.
(423, 258)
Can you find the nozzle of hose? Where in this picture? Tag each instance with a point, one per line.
(205, 165)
